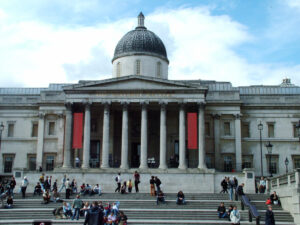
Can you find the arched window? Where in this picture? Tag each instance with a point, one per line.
(158, 69)
(118, 69)
(138, 67)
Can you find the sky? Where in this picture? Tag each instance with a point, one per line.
(245, 42)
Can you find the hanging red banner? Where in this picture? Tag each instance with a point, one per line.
(192, 130)
(77, 130)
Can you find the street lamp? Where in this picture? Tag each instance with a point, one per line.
(298, 129)
(269, 148)
(260, 128)
(1, 129)
(286, 162)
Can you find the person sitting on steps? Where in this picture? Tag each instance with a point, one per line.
(222, 211)
(180, 198)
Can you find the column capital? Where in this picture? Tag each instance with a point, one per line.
(68, 105)
(42, 115)
(238, 116)
(216, 116)
(87, 104)
(60, 115)
(144, 102)
(201, 104)
(105, 102)
(125, 104)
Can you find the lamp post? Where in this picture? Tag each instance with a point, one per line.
(1, 129)
(269, 148)
(298, 129)
(260, 128)
(286, 162)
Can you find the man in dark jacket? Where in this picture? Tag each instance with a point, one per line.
(94, 215)
(158, 183)
(240, 191)
(269, 220)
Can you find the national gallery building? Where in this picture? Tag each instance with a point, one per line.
(140, 119)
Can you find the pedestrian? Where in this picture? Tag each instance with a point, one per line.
(262, 185)
(63, 181)
(54, 187)
(152, 188)
(94, 215)
(123, 188)
(24, 185)
(47, 184)
(42, 180)
(160, 197)
(136, 176)
(231, 187)
(118, 180)
(129, 185)
(269, 218)
(157, 183)
(235, 216)
(222, 211)
(240, 191)
(122, 218)
(12, 185)
(68, 188)
(235, 185)
(77, 204)
(224, 185)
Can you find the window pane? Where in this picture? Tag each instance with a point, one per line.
(34, 132)
(8, 162)
(138, 67)
(270, 130)
(228, 165)
(296, 135)
(32, 163)
(297, 162)
(158, 69)
(245, 130)
(118, 69)
(50, 162)
(51, 128)
(226, 128)
(10, 130)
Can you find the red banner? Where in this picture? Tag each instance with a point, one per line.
(192, 130)
(77, 130)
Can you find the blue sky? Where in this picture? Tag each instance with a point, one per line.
(246, 42)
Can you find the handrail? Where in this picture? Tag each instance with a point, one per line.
(252, 209)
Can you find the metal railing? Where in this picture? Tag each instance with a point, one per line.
(252, 209)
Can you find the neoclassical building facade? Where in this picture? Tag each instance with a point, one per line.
(138, 119)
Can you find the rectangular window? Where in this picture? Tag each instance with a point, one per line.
(11, 128)
(247, 161)
(295, 131)
(270, 130)
(245, 130)
(228, 163)
(296, 161)
(51, 128)
(207, 129)
(227, 129)
(34, 131)
(273, 165)
(49, 162)
(8, 163)
(31, 162)
(209, 160)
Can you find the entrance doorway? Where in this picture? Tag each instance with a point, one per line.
(95, 154)
(135, 155)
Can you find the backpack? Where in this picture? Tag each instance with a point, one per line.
(116, 179)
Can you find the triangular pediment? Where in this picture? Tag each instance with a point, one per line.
(131, 83)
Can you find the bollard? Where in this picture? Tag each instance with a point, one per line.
(250, 216)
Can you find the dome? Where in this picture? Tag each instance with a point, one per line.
(140, 42)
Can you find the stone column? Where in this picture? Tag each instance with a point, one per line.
(60, 139)
(163, 136)
(124, 146)
(238, 143)
(218, 161)
(40, 142)
(105, 137)
(87, 136)
(201, 136)
(144, 137)
(68, 137)
(182, 145)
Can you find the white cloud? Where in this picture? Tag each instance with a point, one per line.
(200, 46)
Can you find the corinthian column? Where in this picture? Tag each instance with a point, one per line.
(144, 136)
(238, 143)
(182, 145)
(68, 137)
(201, 136)
(217, 141)
(105, 138)
(40, 142)
(163, 137)
(87, 136)
(124, 147)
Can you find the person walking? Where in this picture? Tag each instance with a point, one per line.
(68, 188)
(240, 191)
(152, 188)
(63, 181)
(231, 187)
(77, 204)
(235, 216)
(94, 215)
(235, 185)
(136, 176)
(157, 183)
(118, 180)
(12, 185)
(24, 185)
(224, 185)
(269, 219)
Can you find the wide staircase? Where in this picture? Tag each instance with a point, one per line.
(141, 208)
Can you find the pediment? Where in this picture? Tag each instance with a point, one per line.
(130, 83)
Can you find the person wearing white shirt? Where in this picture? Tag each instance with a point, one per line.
(235, 216)
(97, 190)
(262, 185)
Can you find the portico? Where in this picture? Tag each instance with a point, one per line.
(134, 122)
